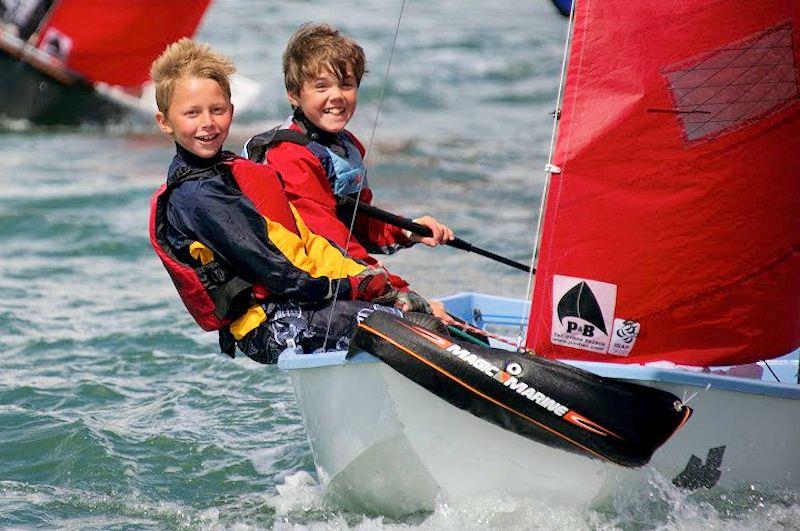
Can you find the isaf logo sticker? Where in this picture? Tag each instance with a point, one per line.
(56, 44)
(623, 337)
(583, 313)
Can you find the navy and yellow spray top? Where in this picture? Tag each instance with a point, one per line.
(230, 240)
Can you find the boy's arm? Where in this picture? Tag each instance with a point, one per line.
(230, 226)
(306, 184)
(390, 237)
(380, 237)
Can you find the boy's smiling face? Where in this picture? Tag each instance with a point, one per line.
(199, 116)
(328, 103)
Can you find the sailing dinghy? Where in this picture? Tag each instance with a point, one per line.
(88, 61)
(668, 258)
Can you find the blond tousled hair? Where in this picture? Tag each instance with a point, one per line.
(314, 47)
(187, 58)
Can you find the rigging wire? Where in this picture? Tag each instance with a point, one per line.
(687, 400)
(770, 370)
(523, 322)
(366, 160)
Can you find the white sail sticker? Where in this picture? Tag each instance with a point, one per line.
(623, 337)
(583, 312)
(56, 44)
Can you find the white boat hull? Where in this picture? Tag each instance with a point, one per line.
(383, 444)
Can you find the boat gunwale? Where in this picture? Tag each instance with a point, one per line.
(491, 313)
(292, 361)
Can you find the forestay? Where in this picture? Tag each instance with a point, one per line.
(673, 228)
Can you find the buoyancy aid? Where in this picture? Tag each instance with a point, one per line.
(213, 294)
(348, 174)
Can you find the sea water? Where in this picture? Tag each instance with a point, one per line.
(117, 412)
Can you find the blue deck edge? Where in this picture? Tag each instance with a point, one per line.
(501, 311)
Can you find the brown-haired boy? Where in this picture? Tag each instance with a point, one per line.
(322, 162)
(240, 256)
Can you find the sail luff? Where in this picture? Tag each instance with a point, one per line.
(549, 169)
(676, 204)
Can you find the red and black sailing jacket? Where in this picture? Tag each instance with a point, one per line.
(302, 156)
(229, 239)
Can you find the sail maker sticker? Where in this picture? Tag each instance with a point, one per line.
(583, 313)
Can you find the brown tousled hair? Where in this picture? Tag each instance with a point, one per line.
(314, 47)
(187, 58)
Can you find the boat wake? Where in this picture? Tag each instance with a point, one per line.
(668, 507)
(300, 501)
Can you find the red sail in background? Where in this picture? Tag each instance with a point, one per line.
(115, 42)
(673, 230)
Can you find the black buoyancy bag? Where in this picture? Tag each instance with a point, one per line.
(544, 400)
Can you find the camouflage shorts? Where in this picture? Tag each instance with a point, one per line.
(310, 328)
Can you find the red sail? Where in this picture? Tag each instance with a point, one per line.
(673, 230)
(115, 42)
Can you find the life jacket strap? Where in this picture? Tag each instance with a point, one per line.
(258, 146)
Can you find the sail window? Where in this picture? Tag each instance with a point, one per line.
(743, 82)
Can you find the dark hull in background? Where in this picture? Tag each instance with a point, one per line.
(563, 6)
(28, 93)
